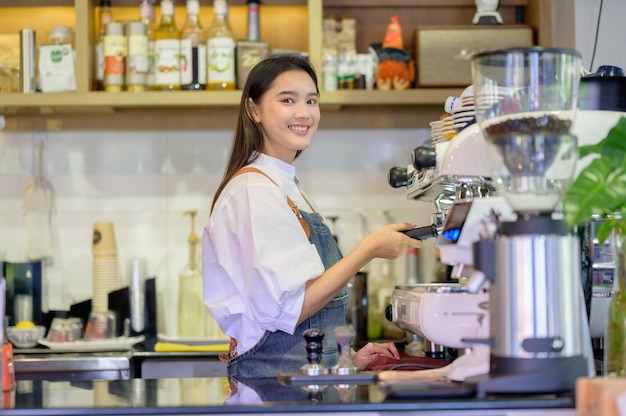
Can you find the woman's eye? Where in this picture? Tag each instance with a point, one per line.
(288, 100)
(312, 101)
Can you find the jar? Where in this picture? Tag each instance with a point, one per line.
(115, 51)
(137, 62)
(59, 35)
(56, 61)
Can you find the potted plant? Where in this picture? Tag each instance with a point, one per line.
(600, 190)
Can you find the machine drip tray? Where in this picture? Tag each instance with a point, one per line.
(417, 389)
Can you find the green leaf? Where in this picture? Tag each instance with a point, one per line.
(605, 230)
(591, 149)
(598, 190)
(614, 145)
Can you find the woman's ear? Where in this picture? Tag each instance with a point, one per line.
(253, 110)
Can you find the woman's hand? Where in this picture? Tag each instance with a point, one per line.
(388, 242)
(366, 355)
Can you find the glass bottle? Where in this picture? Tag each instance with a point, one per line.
(167, 50)
(137, 60)
(115, 55)
(254, 30)
(221, 50)
(250, 51)
(193, 50)
(615, 337)
(104, 18)
(146, 16)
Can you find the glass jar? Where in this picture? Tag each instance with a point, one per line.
(56, 61)
(59, 35)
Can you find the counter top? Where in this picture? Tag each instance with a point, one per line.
(84, 366)
(44, 364)
(218, 396)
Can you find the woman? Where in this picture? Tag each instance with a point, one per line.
(271, 267)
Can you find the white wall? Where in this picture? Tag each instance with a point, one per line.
(144, 181)
(608, 39)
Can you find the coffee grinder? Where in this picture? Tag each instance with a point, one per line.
(525, 100)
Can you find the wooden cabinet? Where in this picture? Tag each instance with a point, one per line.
(285, 24)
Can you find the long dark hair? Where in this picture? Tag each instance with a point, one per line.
(248, 135)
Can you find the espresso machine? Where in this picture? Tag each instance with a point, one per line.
(526, 100)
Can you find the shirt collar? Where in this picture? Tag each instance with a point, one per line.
(277, 166)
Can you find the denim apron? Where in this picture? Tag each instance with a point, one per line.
(282, 352)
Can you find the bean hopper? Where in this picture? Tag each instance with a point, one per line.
(525, 102)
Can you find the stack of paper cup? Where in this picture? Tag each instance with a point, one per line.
(106, 277)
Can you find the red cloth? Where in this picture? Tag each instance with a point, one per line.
(405, 362)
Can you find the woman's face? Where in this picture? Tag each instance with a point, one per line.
(288, 114)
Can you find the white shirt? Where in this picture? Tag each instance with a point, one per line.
(256, 257)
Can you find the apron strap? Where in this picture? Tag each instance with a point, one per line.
(305, 225)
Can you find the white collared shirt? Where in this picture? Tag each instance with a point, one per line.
(256, 257)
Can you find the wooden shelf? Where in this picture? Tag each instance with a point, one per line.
(63, 102)
(86, 109)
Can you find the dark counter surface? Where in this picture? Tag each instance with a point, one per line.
(218, 396)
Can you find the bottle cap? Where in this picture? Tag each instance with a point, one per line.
(193, 7)
(220, 7)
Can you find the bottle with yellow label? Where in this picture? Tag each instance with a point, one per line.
(167, 50)
(221, 50)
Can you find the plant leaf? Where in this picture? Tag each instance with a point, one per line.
(599, 189)
(590, 149)
(605, 230)
(614, 145)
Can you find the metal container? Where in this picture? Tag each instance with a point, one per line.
(27, 61)
(538, 297)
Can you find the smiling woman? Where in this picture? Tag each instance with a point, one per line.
(272, 269)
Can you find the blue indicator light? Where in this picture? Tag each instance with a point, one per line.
(452, 234)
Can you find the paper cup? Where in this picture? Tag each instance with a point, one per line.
(103, 237)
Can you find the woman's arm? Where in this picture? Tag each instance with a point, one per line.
(386, 243)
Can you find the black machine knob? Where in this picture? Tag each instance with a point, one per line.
(314, 338)
(389, 313)
(397, 177)
(424, 157)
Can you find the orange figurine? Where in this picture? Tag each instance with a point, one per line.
(395, 68)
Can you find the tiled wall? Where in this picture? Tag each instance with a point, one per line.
(144, 181)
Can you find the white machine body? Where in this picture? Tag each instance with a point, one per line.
(448, 315)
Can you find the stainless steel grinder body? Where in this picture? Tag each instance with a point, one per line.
(535, 306)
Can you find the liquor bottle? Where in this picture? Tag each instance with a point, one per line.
(137, 62)
(146, 16)
(251, 51)
(221, 50)
(167, 50)
(254, 30)
(193, 50)
(104, 18)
